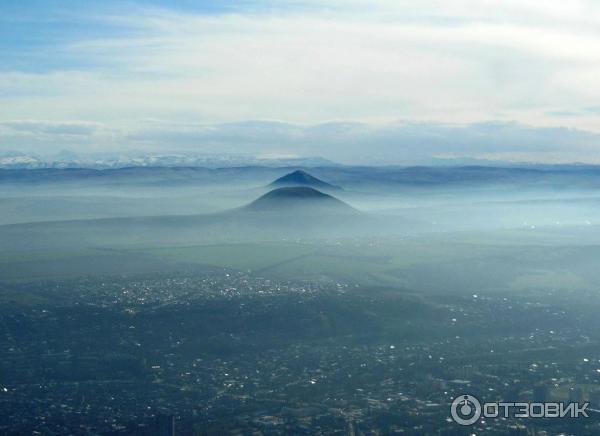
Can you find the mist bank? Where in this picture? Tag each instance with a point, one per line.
(448, 198)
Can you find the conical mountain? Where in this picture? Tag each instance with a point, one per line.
(302, 178)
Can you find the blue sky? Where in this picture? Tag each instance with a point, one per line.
(399, 80)
(32, 30)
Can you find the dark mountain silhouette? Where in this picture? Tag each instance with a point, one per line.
(298, 198)
(302, 178)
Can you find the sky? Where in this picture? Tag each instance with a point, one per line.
(354, 81)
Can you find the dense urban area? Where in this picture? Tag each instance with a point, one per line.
(222, 351)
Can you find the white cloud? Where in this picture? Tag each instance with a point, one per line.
(430, 61)
(70, 128)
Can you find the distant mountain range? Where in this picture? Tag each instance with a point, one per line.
(351, 178)
(68, 159)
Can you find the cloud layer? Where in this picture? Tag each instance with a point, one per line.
(349, 143)
(430, 63)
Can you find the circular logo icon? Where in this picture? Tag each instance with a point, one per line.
(465, 409)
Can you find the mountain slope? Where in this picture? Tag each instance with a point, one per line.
(298, 199)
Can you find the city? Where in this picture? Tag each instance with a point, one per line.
(109, 355)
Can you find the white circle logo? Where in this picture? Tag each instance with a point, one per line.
(465, 409)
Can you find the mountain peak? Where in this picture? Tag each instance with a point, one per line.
(302, 178)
